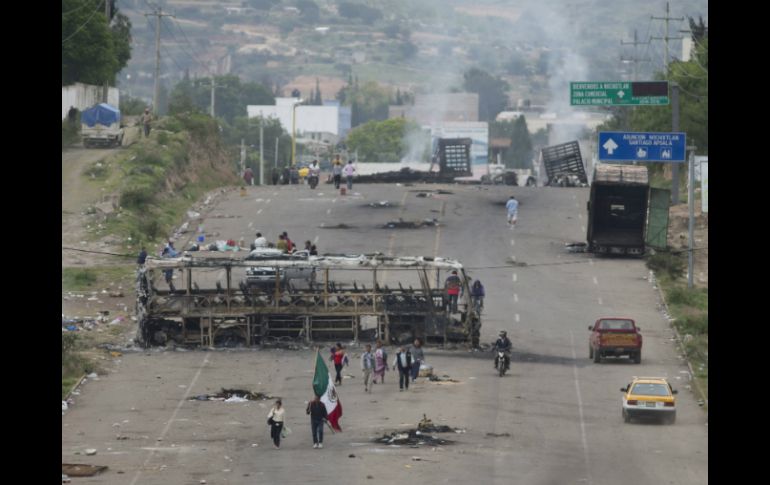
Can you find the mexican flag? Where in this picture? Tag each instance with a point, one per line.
(324, 386)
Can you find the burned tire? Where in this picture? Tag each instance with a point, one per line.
(597, 357)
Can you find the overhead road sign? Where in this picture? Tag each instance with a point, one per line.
(617, 146)
(619, 93)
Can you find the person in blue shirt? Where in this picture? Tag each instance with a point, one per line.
(477, 296)
(512, 206)
(169, 252)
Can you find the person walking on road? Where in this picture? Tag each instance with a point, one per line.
(404, 364)
(380, 362)
(248, 176)
(275, 418)
(337, 172)
(512, 206)
(348, 172)
(418, 357)
(452, 286)
(339, 358)
(317, 411)
(367, 367)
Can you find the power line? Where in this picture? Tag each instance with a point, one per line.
(75, 9)
(98, 8)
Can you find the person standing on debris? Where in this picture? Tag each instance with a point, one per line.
(337, 172)
(348, 172)
(404, 364)
(477, 295)
(142, 257)
(275, 419)
(340, 359)
(311, 249)
(367, 367)
(317, 411)
(452, 286)
(147, 122)
(248, 176)
(380, 362)
(512, 206)
(418, 357)
(169, 252)
(260, 241)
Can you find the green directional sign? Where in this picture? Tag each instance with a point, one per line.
(620, 93)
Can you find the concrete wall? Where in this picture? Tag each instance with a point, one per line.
(84, 96)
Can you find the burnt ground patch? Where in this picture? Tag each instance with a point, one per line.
(413, 438)
(225, 394)
(402, 224)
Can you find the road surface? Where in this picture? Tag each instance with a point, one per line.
(561, 411)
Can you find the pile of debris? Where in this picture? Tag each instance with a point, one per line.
(233, 395)
(419, 436)
(444, 378)
(402, 224)
(405, 175)
(75, 324)
(380, 204)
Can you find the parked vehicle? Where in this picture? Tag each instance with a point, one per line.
(101, 126)
(264, 277)
(649, 397)
(564, 165)
(615, 337)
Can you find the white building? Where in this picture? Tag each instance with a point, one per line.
(328, 122)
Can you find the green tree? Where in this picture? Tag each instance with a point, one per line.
(248, 130)
(382, 141)
(92, 51)
(491, 90)
(519, 154)
(368, 101)
(232, 96)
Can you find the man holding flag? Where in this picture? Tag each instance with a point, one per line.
(323, 387)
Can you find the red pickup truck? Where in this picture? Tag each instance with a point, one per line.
(615, 337)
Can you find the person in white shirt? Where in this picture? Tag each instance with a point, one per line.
(260, 242)
(512, 206)
(348, 172)
(275, 419)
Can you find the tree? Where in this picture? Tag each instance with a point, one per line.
(308, 10)
(92, 51)
(368, 101)
(247, 129)
(382, 141)
(491, 90)
(317, 99)
(232, 96)
(519, 154)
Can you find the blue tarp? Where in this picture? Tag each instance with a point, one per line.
(102, 113)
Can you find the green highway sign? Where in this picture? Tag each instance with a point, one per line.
(620, 93)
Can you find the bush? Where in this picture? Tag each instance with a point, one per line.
(70, 134)
(150, 228)
(137, 197)
(75, 279)
(668, 263)
(696, 324)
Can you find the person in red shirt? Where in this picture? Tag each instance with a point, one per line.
(339, 359)
(452, 286)
(289, 243)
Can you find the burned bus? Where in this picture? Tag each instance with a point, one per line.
(348, 298)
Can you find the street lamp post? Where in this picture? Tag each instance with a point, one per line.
(294, 129)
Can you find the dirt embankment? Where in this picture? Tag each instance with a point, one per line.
(677, 239)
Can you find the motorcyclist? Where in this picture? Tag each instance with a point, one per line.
(504, 344)
(314, 174)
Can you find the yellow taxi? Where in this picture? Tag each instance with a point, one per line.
(649, 397)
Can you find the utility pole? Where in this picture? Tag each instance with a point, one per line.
(158, 14)
(213, 94)
(276, 151)
(674, 128)
(635, 59)
(106, 87)
(666, 38)
(691, 208)
(243, 156)
(261, 154)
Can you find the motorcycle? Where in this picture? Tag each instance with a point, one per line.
(312, 180)
(502, 362)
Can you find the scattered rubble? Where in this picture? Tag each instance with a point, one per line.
(79, 470)
(412, 437)
(233, 395)
(499, 435)
(336, 226)
(402, 224)
(444, 378)
(576, 247)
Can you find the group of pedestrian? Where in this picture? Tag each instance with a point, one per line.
(284, 243)
(453, 287)
(338, 171)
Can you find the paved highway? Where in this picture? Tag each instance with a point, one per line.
(561, 411)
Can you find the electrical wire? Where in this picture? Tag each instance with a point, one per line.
(98, 8)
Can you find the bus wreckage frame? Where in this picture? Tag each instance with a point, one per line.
(324, 310)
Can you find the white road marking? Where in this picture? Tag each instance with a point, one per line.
(517, 317)
(600, 301)
(582, 228)
(328, 211)
(315, 240)
(583, 438)
(515, 298)
(514, 277)
(259, 211)
(596, 282)
(580, 216)
(173, 418)
(513, 242)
